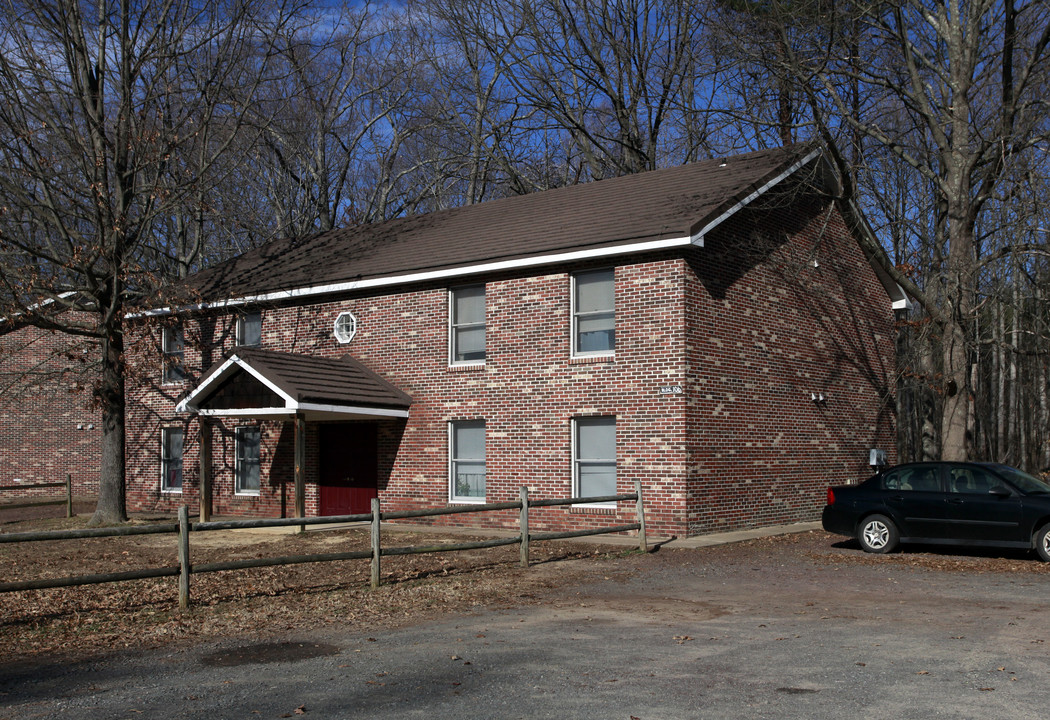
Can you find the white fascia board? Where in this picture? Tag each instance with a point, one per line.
(225, 370)
(902, 301)
(698, 237)
(468, 270)
(353, 410)
(289, 401)
(302, 408)
(186, 404)
(246, 412)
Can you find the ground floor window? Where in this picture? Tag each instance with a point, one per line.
(594, 458)
(467, 460)
(171, 459)
(247, 470)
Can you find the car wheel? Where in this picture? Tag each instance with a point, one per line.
(878, 534)
(1042, 543)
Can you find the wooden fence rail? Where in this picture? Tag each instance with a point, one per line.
(67, 500)
(184, 528)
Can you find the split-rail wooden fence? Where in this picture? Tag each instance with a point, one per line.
(183, 528)
(67, 500)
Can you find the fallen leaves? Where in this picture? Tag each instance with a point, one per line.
(144, 613)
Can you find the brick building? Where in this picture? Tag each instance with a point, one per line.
(712, 330)
(48, 427)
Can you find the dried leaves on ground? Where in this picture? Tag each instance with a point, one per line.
(262, 601)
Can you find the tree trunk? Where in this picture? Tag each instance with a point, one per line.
(111, 507)
(954, 422)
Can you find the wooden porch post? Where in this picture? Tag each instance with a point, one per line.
(300, 463)
(205, 468)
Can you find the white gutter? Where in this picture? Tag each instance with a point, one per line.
(302, 408)
(696, 239)
(423, 276)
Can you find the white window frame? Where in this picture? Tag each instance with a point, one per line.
(575, 316)
(345, 327)
(453, 326)
(166, 461)
(239, 469)
(453, 462)
(173, 354)
(256, 314)
(577, 461)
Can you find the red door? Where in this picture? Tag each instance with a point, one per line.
(347, 468)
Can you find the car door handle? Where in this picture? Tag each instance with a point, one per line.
(956, 501)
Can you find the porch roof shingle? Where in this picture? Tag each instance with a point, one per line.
(306, 380)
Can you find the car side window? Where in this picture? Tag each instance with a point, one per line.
(892, 481)
(972, 481)
(921, 479)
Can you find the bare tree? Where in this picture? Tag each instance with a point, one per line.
(112, 115)
(955, 93)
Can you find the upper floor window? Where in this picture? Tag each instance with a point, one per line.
(171, 440)
(467, 460)
(345, 327)
(249, 329)
(594, 458)
(593, 313)
(467, 324)
(247, 470)
(173, 350)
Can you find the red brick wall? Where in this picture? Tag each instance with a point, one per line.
(772, 323)
(743, 445)
(48, 428)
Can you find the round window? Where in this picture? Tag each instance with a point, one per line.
(345, 327)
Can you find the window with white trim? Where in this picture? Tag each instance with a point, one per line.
(467, 325)
(466, 461)
(173, 352)
(594, 458)
(171, 440)
(345, 327)
(249, 329)
(593, 313)
(247, 469)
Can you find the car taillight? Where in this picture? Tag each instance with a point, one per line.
(831, 496)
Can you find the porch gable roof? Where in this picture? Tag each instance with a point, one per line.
(291, 383)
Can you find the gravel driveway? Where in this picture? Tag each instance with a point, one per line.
(802, 626)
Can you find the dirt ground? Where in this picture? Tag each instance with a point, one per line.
(81, 621)
(78, 622)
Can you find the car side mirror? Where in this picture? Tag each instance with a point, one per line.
(1000, 491)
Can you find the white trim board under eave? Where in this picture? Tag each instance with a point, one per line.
(186, 404)
(429, 275)
(696, 239)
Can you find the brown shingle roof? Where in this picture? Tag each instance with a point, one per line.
(669, 203)
(313, 380)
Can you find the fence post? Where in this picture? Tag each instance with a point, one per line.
(69, 495)
(643, 544)
(184, 557)
(375, 543)
(523, 522)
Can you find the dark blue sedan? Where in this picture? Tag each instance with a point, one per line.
(947, 503)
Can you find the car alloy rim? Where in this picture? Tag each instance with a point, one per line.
(876, 534)
(1046, 543)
